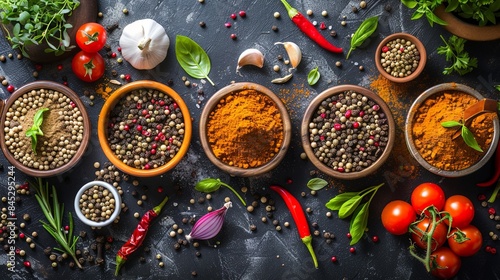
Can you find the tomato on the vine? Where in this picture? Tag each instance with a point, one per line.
(91, 37)
(461, 210)
(468, 244)
(427, 194)
(397, 216)
(445, 264)
(425, 226)
(88, 67)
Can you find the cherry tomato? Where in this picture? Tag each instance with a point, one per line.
(89, 67)
(447, 264)
(425, 195)
(470, 245)
(91, 37)
(424, 226)
(397, 216)
(461, 210)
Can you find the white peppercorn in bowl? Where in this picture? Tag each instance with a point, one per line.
(66, 118)
(347, 132)
(408, 57)
(87, 213)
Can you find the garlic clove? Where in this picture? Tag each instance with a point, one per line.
(250, 57)
(293, 51)
(282, 80)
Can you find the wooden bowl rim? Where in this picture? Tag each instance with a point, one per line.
(50, 85)
(102, 124)
(237, 171)
(305, 132)
(421, 64)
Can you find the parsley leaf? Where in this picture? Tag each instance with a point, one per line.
(454, 51)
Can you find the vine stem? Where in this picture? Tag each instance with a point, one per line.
(234, 191)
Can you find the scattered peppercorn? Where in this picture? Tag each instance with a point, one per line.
(202, 24)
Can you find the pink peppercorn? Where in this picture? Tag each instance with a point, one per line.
(333, 259)
(11, 88)
(227, 25)
(233, 36)
(242, 14)
(385, 49)
(322, 26)
(233, 16)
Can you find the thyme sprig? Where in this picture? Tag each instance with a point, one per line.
(53, 211)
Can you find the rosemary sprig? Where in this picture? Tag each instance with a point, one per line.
(54, 214)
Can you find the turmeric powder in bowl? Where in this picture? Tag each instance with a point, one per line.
(245, 129)
(433, 146)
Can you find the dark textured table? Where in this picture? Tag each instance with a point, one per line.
(237, 252)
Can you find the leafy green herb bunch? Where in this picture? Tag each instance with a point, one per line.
(35, 22)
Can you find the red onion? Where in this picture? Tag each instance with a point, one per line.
(209, 225)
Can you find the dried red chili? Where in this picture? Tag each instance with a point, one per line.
(496, 175)
(309, 29)
(300, 219)
(138, 235)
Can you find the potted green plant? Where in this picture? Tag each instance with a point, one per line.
(37, 28)
(469, 19)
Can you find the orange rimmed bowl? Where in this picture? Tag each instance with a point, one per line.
(147, 137)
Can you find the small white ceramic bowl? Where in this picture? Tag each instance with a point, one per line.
(116, 195)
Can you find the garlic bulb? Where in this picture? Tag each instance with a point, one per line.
(144, 43)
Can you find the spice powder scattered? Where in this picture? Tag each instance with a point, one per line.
(245, 129)
(434, 142)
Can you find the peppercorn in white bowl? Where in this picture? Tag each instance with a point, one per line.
(97, 204)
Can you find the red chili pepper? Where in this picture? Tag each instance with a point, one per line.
(309, 29)
(138, 235)
(300, 219)
(496, 175)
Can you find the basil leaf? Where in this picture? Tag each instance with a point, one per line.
(451, 124)
(313, 76)
(470, 140)
(208, 185)
(359, 223)
(349, 206)
(316, 184)
(365, 30)
(192, 58)
(336, 202)
(409, 3)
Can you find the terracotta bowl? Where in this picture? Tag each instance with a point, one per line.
(410, 141)
(103, 123)
(407, 37)
(232, 169)
(48, 85)
(116, 197)
(308, 146)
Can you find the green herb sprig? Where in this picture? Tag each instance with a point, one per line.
(38, 21)
(53, 211)
(209, 185)
(316, 184)
(365, 30)
(36, 129)
(192, 58)
(313, 76)
(424, 8)
(454, 51)
(351, 203)
(466, 134)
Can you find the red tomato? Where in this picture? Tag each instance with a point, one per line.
(447, 264)
(461, 210)
(472, 243)
(424, 226)
(91, 37)
(397, 216)
(89, 67)
(425, 195)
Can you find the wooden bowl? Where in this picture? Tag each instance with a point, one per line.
(421, 63)
(86, 124)
(232, 169)
(103, 123)
(410, 141)
(329, 170)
